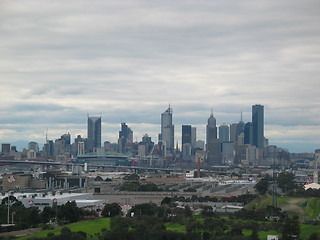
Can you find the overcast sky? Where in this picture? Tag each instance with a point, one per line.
(127, 60)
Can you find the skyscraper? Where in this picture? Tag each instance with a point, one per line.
(186, 134)
(213, 144)
(258, 126)
(233, 132)
(167, 131)
(224, 133)
(193, 136)
(94, 133)
(248, 135)
(125, 137)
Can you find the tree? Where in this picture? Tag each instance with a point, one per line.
(254, 234)
(291, 229)
(132, 177)
(111, 210)
(12, 199)
(69, 212)
(166, 200)
(286, 181)
(47, 214)
(262, 186)
(65, 233)
(314, 236)
(144, 209)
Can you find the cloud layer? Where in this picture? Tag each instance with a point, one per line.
(126, 60)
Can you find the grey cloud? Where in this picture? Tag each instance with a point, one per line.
(129, 59)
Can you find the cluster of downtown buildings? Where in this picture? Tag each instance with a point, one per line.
(237, 143)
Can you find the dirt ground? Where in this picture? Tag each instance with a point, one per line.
(292, 206)
(20, 232)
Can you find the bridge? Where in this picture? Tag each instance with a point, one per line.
(51, 163)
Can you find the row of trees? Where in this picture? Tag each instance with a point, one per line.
(31, 217)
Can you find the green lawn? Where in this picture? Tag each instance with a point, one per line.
(313, 208)
(91, 227)
(307, 230)
(175, 227)
(260, 202)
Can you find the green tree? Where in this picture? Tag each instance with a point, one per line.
(144, 209)
(166, 200)
(286, 182)
(66, 233)
(314, 236)
(111, 210)
(132, 177)
(262, 186)
(12, 199)
(291, 229)
(47, 214)
(69, 212)
(254, 234)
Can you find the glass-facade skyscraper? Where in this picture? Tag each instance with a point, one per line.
(258, 126)
(167, 131)
(224, 133)
(94, 133)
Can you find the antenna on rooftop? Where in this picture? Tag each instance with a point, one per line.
(241, 115)
(47, 135)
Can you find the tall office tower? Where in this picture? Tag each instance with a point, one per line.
(94, 133)
(186, 139)
(5, 148)
(248, 136)
(193, 136)
(125, 137)
(213, 144)
(233, 132)
(240, 128)
(167, 132)
(33, 146)
(258, 126)
(224, 133)
(186, 134)
(80, 149)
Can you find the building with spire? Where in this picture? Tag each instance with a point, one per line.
(213, 143)
(167, 132)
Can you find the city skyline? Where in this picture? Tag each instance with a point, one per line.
(126, 61)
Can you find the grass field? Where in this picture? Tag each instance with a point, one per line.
(175, 227)
(307, 230)
(94, 227)
(91, 227)
(313, 208)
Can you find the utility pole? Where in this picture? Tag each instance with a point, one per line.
(274, 185)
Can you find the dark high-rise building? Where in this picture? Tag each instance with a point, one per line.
(125, 137)
(186, 134)
(167, 131)
(186, 139)
(248, 133)
(5, 149)
(258, 126)
(240, 128)
(233, 132)
(94, 133)
(213, 144)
